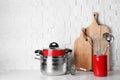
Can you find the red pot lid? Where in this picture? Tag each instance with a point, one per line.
(53, 50)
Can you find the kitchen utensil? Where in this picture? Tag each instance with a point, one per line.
(99, 29)
(83, 52)
(99, 48)
(74, 69)
(96, 44)
(82, 49)
(109, 38)
(53, 60)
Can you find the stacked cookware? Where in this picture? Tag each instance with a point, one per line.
(53, 60)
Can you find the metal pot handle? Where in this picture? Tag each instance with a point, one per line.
(38, 52)
(67, 50)
(37, 58)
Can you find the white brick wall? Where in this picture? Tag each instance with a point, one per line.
(26, 25)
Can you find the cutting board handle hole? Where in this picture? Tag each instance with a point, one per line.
(86, 39)
(95, 14)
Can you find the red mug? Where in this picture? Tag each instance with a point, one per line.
(100, 65)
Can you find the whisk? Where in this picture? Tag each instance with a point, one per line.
(94, 41)
(96, 44)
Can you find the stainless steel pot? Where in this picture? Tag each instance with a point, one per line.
(54, 65)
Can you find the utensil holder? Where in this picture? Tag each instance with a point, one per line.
(100, 65)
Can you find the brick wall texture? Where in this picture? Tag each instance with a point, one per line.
(27, 25)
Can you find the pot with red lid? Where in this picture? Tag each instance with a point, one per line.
(54, 60)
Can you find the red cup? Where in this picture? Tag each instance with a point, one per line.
(100, 65)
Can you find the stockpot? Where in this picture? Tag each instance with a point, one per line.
(53, 60)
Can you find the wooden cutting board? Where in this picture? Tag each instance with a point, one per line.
(83, 51)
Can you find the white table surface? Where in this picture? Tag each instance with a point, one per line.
(35, 75)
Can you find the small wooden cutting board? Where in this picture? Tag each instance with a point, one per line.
(83, 51)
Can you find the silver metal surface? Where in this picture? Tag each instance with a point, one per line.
(73, 70)
(109, 38)
(54, 65)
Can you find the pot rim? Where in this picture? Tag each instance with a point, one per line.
(53, 57)
(54, 49)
